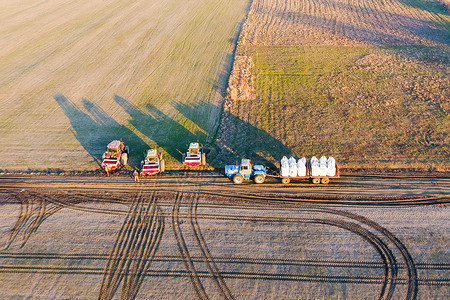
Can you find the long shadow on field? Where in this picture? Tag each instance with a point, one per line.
(167, 133)
(96, 129)
(238, 139)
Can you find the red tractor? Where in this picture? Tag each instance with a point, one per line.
(153, 163)
(195, 156)
(116, 155)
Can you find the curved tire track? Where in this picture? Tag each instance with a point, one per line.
(184, 252)
(207, 257)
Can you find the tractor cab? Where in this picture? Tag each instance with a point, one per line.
(194, 149)
(152, 156)
(195, 156)
(116, 155)
(246, 167)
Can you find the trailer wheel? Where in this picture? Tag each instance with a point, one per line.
(285, 180)
(315, 180)
(162, 165)
(325, 180)
(259, 179)
(238, 179)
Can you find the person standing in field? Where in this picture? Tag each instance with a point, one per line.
(107, 170)
(136, 176)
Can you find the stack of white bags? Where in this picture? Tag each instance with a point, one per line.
(319, 167)
(323, 166)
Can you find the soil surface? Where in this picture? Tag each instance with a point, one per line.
(197, 235)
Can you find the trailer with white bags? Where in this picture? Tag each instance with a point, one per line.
(315, 170)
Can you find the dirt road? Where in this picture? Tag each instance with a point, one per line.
(197, 235)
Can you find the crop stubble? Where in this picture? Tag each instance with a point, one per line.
(70, 72)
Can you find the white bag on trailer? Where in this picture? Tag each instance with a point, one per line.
(284, 167)
(292, 167)
(331, 166)
(315, 169)
(323, 166)
(301, 167)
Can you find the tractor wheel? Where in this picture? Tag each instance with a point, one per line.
(203, 159)
(285, 180)
(259, 179)
(124, 159)
(238, 179)
(162, 166)
(325, 180)
(315, 180)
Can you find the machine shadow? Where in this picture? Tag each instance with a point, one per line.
(95, 129)
(236, 139)
(167, 133)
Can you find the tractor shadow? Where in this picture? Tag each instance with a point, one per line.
(95, 129)
(235, 139)
(167, 133)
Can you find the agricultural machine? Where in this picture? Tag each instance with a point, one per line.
(195, 156)
(116, 155)
(153, 163)
(246, 171)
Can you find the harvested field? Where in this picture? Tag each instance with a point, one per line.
(353, 22)
(364, 81)
(108, 238)
(76, 74)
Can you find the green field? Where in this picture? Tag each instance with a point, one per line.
(367, 82)
(369, 106)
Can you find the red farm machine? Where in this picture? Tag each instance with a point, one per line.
(153, 163)
(195, 156)
(116, 156)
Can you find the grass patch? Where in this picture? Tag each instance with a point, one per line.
(364, 105)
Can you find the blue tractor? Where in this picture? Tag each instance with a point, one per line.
(246, 171)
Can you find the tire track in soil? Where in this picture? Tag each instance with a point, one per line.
(427, 281)
(388, 259)
(207, 257)
(184, 252)
(382, 248)
(229, 260)
(32, 214)
(135, 246)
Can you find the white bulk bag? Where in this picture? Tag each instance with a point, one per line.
(292, 167)
(315, 169)
(301, 167)
(331, 166)
(284, 167)
(323, 166)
